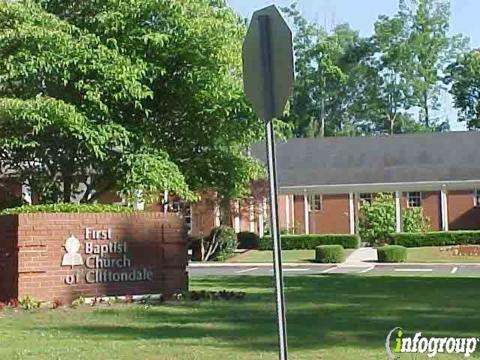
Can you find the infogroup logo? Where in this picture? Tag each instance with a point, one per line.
(397, 343)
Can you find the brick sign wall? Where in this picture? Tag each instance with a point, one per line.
(64, 256)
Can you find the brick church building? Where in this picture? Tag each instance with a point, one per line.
(322, 181)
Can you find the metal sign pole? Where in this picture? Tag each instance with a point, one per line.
(268, 92)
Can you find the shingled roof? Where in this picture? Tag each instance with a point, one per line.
(377, 160)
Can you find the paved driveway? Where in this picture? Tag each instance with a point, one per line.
(320, 269)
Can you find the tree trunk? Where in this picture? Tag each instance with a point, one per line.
(322, 109)
(322, 119)
(425, 108)
(391, 120)
(225, 212)
(67, 188)
(212, 247)
(95, 192)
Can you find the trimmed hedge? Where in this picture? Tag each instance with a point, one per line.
(330, 254)
(248, 240)
(310, 242)
(392, 254)
(67, 208)
(435, 239)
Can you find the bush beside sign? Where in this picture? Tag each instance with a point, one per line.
(64, 256)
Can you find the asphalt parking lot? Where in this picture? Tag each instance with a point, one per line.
(320, 269)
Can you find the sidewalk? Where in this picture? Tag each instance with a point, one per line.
(364, 256)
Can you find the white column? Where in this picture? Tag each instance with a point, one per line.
(357, 212)
(251, 216)
(236, 219)
(27, 194)
(398, 212)
(287, 212)
(444, 208)
(261, 220)
(292, 198)
(138, 202)
(216, 211)
(165, 201)
(306, 214)
(351, 213)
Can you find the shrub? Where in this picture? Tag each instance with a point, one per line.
(377, 219)
(211, 295)
(392, 254)
(414, 221)
(310, 242)
(78, 302)
(219, 245)
(67, 208)
(435, 238)
(248, 240)
(329, 254)
(28, 303)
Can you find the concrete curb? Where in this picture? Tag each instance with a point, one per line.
(213, 265)
(426, 264)
(366, 265)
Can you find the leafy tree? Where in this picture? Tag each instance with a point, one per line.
(192, 53)
(464, 77)
(390, 92)
(348, 85)
(377, 219)
(376, 85)
(432, 50)
(63, 109)
(412, 50)
(320, 102)
(415, 221)
(219, 245)
(124, 95)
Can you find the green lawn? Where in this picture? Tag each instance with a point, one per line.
(434, 255)
(288, 256)
(256, 256)
(329, 318)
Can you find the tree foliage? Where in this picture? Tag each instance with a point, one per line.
(378, 219)
(388, 83)
(464, 77)
(219, 245)
(415, 221)
(323, 65)
(432, 51)
(124, 95)
(192, 53)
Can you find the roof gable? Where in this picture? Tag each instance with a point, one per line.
(431, 157)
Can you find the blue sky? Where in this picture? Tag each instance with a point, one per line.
(361, 15)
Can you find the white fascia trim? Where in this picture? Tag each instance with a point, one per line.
(381, 187)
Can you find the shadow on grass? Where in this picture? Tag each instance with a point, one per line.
(322, 312)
